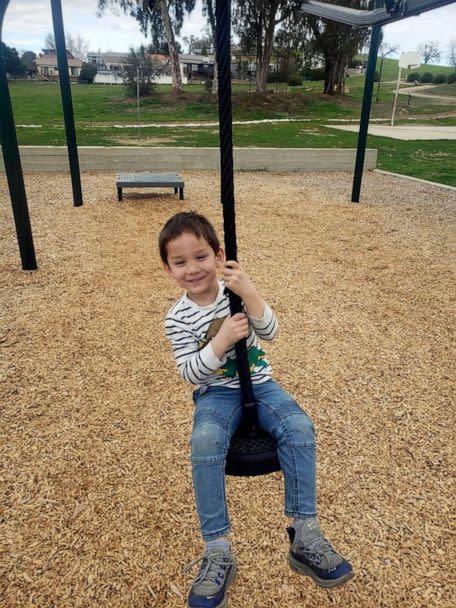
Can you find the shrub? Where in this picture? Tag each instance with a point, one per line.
(439, 79)
(295, 81)
(413, 77)
(88, 73)
(306, 72)
(277, 76)
(208, 84)
(451, 78)
(427, 77)
(317, 74)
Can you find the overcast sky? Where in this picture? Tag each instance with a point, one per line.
(28, 21)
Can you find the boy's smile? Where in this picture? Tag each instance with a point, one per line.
(193, 264)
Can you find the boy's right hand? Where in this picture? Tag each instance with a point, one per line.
(233, 329)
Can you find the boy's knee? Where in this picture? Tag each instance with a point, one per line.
(298, 425)
(208, 441)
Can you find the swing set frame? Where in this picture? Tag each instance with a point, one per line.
(385, 11)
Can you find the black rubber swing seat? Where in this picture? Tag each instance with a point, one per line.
(252, 452)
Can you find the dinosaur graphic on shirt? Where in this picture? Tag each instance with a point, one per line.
(256, 356)
(211, 332)
(257, 360)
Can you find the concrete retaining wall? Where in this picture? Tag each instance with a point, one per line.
(93, 158)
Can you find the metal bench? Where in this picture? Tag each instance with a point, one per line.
(150, 180)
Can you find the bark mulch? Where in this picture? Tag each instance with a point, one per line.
(96, 494)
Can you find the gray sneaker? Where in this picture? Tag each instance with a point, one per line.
(317, 558)
(216, 574)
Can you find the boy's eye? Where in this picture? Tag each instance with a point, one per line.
(178, 263)
(202, 257)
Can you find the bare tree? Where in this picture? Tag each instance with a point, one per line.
(452, 52)
(77, 45)
(429, 51)
(49, 41)
(384, 50)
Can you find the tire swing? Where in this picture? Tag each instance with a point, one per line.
(252, 451)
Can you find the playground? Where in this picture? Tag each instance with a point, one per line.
(96, 493)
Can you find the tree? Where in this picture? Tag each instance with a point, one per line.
(141, 66)
(161, 47)
(294, 44)
(452, 52)
(255, 21)
(338, 44)
(49, 41)
(385, 49)
(77, 45)
(429, 51)
(163, 19)
(209, 12)
(13, 64)
(199, 46)
(27, 58)
(88, 73)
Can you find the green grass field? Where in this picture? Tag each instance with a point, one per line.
(390, 69)
(100, 111)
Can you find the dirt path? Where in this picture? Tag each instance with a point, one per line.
(416, 92)
(404, 132)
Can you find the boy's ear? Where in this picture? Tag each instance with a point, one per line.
(220, 257)
(166, 268)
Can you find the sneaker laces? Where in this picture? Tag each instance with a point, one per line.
(213, 568)
(320, 548)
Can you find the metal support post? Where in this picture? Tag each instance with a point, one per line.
(365, 112)
(13, 166)
(65, 89)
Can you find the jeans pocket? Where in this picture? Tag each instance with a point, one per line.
(198, 393)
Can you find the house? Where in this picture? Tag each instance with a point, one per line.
(47, 65)
(108, 62)
(111, 66)
(197, 68)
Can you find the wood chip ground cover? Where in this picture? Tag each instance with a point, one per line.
(97, 504)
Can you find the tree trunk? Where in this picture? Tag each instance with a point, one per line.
(334, 75)
(215, 81)
(211, 15)
(264, 52)
(262, 75)
(177, 87)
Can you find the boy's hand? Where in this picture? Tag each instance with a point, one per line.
(233, 329)
(237, 280)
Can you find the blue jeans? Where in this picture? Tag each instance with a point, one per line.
(217, 416)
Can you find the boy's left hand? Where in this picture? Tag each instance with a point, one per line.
(237, 280)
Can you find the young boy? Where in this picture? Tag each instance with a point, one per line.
(202, 335)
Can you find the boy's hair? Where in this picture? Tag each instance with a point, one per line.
(187, 221)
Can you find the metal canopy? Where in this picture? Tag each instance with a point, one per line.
(394, 10)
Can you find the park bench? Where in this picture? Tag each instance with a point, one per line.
(149, 180)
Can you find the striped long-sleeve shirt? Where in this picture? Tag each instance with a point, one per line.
(190, 328)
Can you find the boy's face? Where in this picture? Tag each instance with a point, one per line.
(193, 264)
